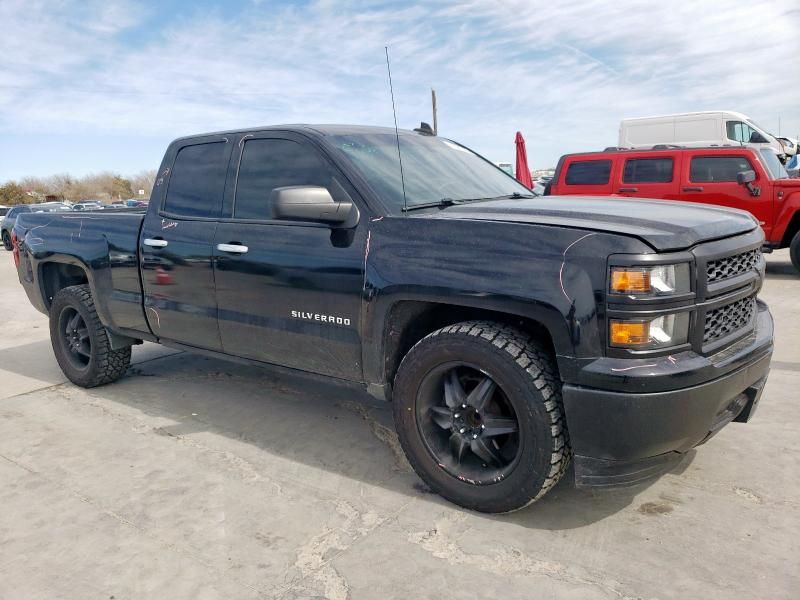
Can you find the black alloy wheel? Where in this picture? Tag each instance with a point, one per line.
(75, 339)
(467, 423)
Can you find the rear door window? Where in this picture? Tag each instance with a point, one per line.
(197, 180)
(709, 169)
(588, 172)
(648, 170)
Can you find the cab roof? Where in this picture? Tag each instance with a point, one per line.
(318, 130)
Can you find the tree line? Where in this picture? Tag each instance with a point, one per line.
(106, 187)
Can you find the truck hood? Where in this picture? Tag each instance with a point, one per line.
(664, 225)
(792, 184)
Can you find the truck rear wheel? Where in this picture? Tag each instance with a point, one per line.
(794, 251)
(80, 341)
(478, 410)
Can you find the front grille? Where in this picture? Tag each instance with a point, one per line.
(729, 319)
(730, 266)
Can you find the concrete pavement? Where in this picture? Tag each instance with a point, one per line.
(197, 478)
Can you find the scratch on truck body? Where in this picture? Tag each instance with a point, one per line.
(564, 262)
(158, 319)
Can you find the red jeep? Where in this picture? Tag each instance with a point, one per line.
(738, 177)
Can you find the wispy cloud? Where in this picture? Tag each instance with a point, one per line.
(564, 74)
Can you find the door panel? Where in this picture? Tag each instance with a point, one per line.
(711, 179)
(293, 298)
(176, 246)
(178, 280)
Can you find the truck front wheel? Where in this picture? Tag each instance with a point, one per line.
(794, 250)
(80, 341)
(478, 410)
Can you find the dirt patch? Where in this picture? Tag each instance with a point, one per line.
(655, 508)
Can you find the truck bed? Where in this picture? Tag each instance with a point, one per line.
(103, 244)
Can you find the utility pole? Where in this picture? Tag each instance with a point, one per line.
(435, 120)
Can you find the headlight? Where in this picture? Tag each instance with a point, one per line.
(650, 334)
(655, 281)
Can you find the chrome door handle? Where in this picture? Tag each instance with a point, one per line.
(154, 243)
(232, 248)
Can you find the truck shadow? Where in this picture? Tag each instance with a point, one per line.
(314, 422)
(781, 267)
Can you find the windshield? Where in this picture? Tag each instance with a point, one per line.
(774, 166)
(758, 127)
(434, 168)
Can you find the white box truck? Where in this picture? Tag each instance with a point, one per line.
(713, 128)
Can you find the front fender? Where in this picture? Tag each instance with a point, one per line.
(552, 275)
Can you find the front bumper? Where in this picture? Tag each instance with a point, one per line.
(622, 438)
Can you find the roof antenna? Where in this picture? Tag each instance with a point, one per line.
(396, 132)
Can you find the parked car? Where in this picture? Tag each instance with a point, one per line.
(698, 129)
(88, 206)
(789, 146)
(3, 210)
(743, 178)
(7, 223)
(510, 331)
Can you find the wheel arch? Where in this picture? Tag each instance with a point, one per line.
(408, 321)
(791, 230)
(55, 275)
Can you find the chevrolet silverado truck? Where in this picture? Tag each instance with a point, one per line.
(512, 333)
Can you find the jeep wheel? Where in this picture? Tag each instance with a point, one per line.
(478, 410)
(80, 341)
(794, 251)
(7, 241)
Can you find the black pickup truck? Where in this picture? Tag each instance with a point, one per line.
(513, 333)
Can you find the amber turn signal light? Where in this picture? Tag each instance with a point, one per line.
(630, 333)
(630, 281)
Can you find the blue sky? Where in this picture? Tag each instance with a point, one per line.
(87, 86)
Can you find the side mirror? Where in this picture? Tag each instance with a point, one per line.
(745, 177)
(312, 203)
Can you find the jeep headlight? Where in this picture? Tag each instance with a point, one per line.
(650, 281)
(650, 334)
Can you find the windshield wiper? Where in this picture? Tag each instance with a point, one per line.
(441, 203)
(445, 202)
(514, 196)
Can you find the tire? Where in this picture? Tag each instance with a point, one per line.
(84, 352)
(498, 472)
(7, 241)
(794, 251)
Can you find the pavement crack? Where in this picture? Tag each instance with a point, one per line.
(505, 561)
(314, 558)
